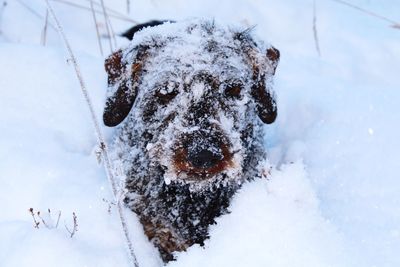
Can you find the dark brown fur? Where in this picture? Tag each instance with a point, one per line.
(206, 163)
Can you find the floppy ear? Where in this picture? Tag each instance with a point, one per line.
(264, 96)
(122, 77)
(273, 56)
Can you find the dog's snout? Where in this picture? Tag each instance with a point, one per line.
(201, 154)
(205, 158)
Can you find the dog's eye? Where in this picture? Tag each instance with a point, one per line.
(233, 90)
(166, 93)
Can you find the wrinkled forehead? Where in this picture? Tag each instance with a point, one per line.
(182, 52)
(183, 63)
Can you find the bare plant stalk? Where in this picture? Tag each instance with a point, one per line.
(128, 7)
(44, 31)
(112, 33)
(395, 24)
(101, 141)
(58, 218)
(43, 221)
(110, 10)
(31, 10)
(2, 8)
(316, 40)
(107, 24)
(112, 13)
(36, 223)
(110, 203)
(97, 28)
(75, 227)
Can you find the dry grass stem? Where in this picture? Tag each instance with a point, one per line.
(2, 8)
(102, 144)
(36, 223)
(44, 31)
(97, 28)
(107, 24)
(395, 24)
(112, 13)
(58, 218)
(316, 40)
(75, 227)
(32, 11)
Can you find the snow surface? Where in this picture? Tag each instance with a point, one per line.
(333, 194)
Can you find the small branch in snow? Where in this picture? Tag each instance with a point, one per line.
(36, 223)
(2, 8)
(316, 40)
(75, 228)
(48, 223)
(34, 12)
(110, 203)
(395, 24)
(107, 162)
(43, 221)
(112, 13)
(58, 218)
(97, 27)
(106, 19)
(44, 31)
(98, 152)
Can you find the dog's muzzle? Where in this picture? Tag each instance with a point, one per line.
(202, 154)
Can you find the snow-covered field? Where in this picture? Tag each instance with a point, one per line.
(333, 196)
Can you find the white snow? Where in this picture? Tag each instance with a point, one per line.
(332, 195)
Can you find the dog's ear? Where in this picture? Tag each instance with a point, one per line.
(273, 56)
(263, 96)
(123, 78)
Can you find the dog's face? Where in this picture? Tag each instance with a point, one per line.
(193, 92)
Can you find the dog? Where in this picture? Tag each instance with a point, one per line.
(190, 100)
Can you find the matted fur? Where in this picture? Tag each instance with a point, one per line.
(192, 98)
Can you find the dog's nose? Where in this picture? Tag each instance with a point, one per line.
(204, 159)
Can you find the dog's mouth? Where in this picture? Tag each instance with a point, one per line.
(194, 160)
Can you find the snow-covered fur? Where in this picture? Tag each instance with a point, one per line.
(192, 97)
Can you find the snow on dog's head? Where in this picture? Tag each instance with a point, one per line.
(193, 91)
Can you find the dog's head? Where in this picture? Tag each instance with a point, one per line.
(194, 91)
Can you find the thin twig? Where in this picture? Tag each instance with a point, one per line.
(111, 11)
(97, 28)
(44, 31)
(107, 24)
(43, 221)
(395, 24)
(128, 7)
(110, 203)
(101, 141)
(2, 8)
(75, 227)
(316, 40)
(31, 10)
(112, 32)
(36, 223)
(58, 218)
(114, 14)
